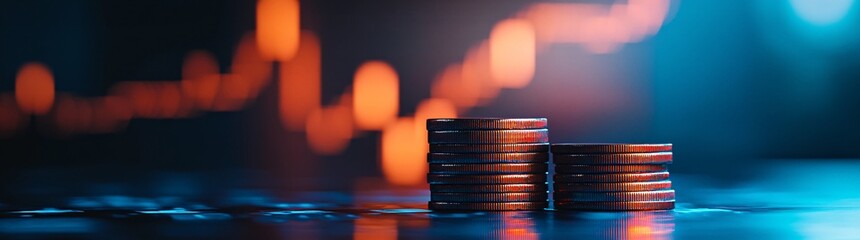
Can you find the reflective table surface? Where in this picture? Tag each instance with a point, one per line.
(800, 200)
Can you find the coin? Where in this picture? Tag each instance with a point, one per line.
(485, 123)
(489, 136)
(495, 168)
(660, 195)
(616, 206)
(489, 148)
(564, 169)
(487, 157)
(488, 206)
(612, 187)
(485, 179)
(610, 148)
(489, 197)
(613, 158)
(611, 177)
(476, 188)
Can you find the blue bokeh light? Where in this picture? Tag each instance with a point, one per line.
(821, 12)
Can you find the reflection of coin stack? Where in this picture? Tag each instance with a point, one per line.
(488, 164)
(612, 177)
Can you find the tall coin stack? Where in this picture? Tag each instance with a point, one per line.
(488, 164)
(612, 177)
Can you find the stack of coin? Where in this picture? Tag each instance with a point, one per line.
(488, 164)
(612, 177)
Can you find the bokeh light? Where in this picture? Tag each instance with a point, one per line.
(249, 65)
(512, 53)
(278, 28)
(329, 129)
(561, 22)
(299, 85)
(476, 68)
(234, 91)
(169, 100)
(821, 12)
(110, 114)
(370, 228)
(464, 93)
(11, 119)
(376, 95)
(34, 88)
(403, 154)
(72, 115)
(200, 79)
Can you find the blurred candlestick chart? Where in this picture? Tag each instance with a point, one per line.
(279, 54)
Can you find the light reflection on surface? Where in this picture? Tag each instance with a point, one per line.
(515, 225)
(373, 228)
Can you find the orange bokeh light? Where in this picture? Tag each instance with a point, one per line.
(300, 83)
(73, 115)
(329, 129)
(11, 118)
(512, 53)
(110, 114)
(370, 228)
(450, 85)
(200, 79)
(140, 96)
(249, 65)
(170, 101)
(278, 28)
(34, 88)
(234, 92)
(607, 34)
(476, 68)
(403, 154)
(376, 95)
(562, 22)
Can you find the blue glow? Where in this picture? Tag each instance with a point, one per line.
(47, 211)
(402, 210)
(170, 211)
(821, 12)
(48, 225)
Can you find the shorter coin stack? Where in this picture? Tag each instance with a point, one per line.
(612, 177)
(488, 164)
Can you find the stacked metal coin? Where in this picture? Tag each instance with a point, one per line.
(612, 177)
(487, 164)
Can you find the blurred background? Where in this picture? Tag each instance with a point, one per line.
(202, 99)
